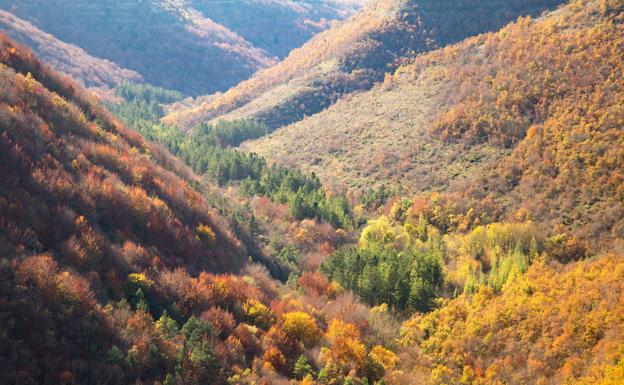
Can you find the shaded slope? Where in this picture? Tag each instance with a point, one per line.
(539, 104)
(66, 58)
(352, 56)
(169, 43)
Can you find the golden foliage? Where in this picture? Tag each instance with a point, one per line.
(345, 347)
(300, 326)
(383, 356)
(258, 313)
(535, 331)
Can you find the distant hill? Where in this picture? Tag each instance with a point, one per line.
(277, 26)
(66, 58)
(353, 55)
(528, 117)
(169, 44)
(175, 44)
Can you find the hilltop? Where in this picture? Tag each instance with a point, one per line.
(352, 56)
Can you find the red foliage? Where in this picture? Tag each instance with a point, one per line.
(314, 283)
(222, 320)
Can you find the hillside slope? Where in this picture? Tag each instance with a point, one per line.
(76, 182)
(110, 247)
(86, 206)
(169, 43)
(66, 58)
(533, 111)
(353, 55)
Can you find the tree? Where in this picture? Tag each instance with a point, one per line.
(300, 326)
(167, 326)
(345, 348)
(302, 368)
(258, 313)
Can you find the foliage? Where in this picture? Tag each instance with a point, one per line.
(111, 211)
(258, 314)
(300, 326)
(345, 348)
(384, 356)
(302, 368)
(522, 119)
(537, 330)
(558, 117)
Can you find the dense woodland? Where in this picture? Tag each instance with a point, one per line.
(134, 252)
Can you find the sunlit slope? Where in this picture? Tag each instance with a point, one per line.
(533, 111)
(80, 186)
(553, 325)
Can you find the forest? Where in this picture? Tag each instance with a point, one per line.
(134, 250)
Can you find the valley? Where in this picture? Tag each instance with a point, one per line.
(394, 193)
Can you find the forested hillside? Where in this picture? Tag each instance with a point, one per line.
(82, 176)
(110, 248)
(526, 119)
(85, 202)
(196, 47)
(353, 55)
(553, 325)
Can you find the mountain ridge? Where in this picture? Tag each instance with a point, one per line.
(351, 56)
